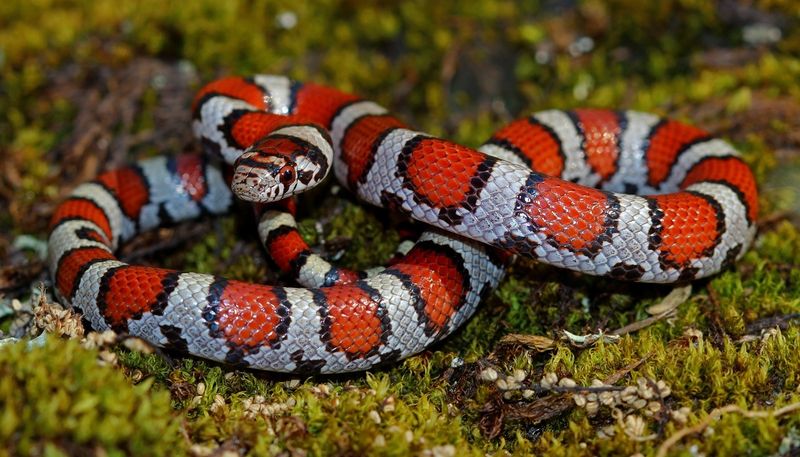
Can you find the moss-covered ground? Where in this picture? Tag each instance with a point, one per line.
(86, 85)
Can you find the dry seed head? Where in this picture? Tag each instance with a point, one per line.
(138, 345)
(200, 450)
(592, 408)
(567, 382)
(137, 375)
(693, 333)
(107, 358)
(99, 339)
(681, 415)
(634, 425)
(549, 380)
(607, 398)
(769, 333)
(664, 390)
(607, 432)
(218, 404)
(374, 416)
(645, 391)
(628, 394)
(519, 375)
(489, 374)
(527, 393)
(502, 384)
(447, 450)
(512, 383)
(388, 404)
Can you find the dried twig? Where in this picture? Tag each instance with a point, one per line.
(716, 414)
(782, 322)
(662, 310)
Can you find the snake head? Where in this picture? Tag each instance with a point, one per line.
(279, 166)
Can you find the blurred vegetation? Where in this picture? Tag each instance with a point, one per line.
(459, 69)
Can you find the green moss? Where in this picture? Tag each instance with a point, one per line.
(368, 241)
(57, 400)
(240, 260)
(780, 246)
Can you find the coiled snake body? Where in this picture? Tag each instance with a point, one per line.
(577, 211)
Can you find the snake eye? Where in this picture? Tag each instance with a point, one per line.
(287, 175)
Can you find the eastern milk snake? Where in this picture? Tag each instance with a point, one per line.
(577, 210)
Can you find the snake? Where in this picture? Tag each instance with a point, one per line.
(622, 194)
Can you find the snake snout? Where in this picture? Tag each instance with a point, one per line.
(260, 176)
(254, 186)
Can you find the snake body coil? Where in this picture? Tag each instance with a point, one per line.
(694, 216)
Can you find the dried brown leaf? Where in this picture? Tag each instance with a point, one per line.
(540, 343)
